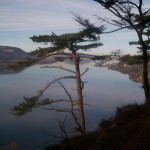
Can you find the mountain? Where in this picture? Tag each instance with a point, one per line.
(11, 54)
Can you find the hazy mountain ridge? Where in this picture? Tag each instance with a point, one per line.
(10, 54)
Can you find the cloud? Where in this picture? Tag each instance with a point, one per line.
(52, 14)
(21, 19)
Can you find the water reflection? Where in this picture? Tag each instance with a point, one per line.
(105, 90)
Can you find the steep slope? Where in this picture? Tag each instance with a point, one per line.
(127, 130)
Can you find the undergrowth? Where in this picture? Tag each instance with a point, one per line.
(127, 130)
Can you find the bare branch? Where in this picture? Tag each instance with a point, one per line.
(62, 127)
(106, 20)
(55, 136)
(30, 103)
(59, 67)
(72, 107)
(49, 84)
(82, 85)
(63, 130)
(117, 29)
(60, 109)
(86, 70)
(49, 102)
(65, 90)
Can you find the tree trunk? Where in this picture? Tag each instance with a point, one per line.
(145, 76)
(145, 68)
(79, 93)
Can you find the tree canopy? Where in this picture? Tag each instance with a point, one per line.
(85, 39)
(131, 14)
(89, 35)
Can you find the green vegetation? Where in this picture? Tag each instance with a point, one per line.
(23, 63)
(127, 130)
(133, 16)
(42, 51)
(88, 37)
(131, 60)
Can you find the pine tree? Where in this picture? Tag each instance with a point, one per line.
(131, 15)
(85, 39)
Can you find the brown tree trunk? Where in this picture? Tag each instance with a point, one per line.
(145, 76)
(79, 93)
(145, 68)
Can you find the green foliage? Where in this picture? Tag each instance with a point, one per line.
(67, 40)
(89, 29)
(146, 30)
(132, 59)
(42, 51)
(28, 104)
(88, 36)
(23, 63)
(147, 42)
(24, 107)
(89, 46)
(131, 15)
(45, 101)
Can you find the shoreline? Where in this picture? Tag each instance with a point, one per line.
(134, 71)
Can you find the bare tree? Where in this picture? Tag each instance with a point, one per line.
(116, 53)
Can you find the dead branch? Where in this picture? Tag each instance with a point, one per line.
(63, 130)
(65, 90)
(82, 84)
(49, 84)
(72, 107)
(62, 126)
(49, 102)
(32, 102)
(60, 109)
(100, 62)
(59, 67)
(86, 70)
(55, 136)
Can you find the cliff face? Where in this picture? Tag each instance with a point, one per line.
(11, 54)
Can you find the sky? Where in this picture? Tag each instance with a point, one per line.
(21, 19)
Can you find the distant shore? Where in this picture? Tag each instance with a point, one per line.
(134, 71)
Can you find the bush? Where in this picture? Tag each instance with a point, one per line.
(132, 59)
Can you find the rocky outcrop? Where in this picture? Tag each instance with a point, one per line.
(135, 71)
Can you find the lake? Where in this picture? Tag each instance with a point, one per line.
(104, 91)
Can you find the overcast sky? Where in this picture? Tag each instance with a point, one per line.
(21, 19)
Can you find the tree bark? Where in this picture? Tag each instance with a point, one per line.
(145, 69)
(79, 92)
(145, 76)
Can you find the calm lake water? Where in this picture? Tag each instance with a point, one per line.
(104, 92)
